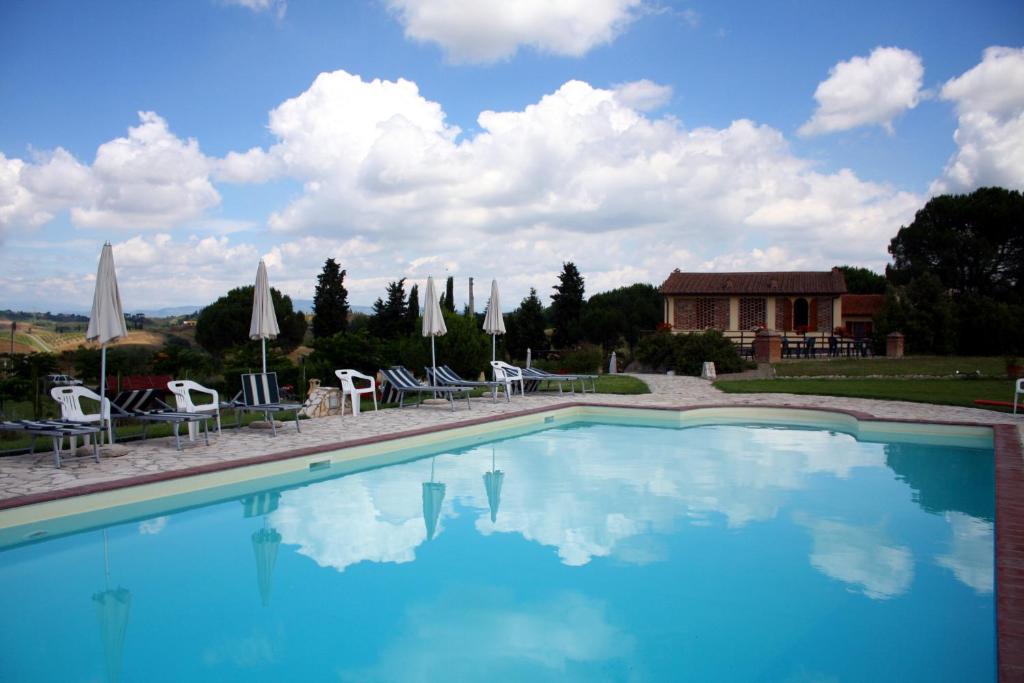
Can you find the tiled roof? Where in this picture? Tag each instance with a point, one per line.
(799, 282)
(862, 304)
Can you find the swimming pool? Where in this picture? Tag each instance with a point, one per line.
(590, 549)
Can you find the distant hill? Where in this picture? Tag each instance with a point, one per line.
(306, 306)
(72, 314)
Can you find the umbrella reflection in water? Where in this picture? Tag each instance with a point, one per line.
(492, 482)
(112, 607)
(433, 496)
(265, 541)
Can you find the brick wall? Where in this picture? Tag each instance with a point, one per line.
(780, 313)
(825, 314)
(698, 313)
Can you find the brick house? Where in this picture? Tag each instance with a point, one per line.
(738, 303)
(859, 311)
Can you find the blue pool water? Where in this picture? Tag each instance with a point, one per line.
(613, 553)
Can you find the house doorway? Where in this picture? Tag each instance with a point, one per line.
(801, 313)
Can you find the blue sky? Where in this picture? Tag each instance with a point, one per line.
(631, 137)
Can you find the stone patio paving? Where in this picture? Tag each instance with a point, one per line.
(25, 475)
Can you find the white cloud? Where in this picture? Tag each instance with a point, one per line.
(275, 7)
(860, 556)
(578, 175)
(865, 91)
(989, 101)
(970, 555)
(491, 30)
(150, 179)
(643, 95)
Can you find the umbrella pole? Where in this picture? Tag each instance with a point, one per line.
(433, 362)
(263, 345)
(103, 387)
(494, 346)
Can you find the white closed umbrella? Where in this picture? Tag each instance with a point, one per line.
(106, 320)
(264, 319)
(494, 321)
(433, 321)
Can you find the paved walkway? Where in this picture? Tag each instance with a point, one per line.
(33, 474)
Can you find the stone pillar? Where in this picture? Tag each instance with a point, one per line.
(894, 345)
(767, 346)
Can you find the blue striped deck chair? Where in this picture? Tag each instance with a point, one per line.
(260, 394)
(148, 406)
(403, 382)
(542, 376)
(445, 376)
(57, 430)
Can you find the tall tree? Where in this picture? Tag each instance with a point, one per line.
(448, 300)
(862, 280)
(567, 306)
(526, 327)
(225, 323)
(414, 307)
(330, 301)
(973, 243)
(390, 316)
(622, 313)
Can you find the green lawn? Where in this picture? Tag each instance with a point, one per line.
(612, 384)
(956, 392)
(931, 366)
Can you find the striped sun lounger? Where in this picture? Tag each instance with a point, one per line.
(260, 394)
(445, 376)
(400, 381)
(147, 406)
(538, 376)
(56, 430)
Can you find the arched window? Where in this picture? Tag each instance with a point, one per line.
(801, 313)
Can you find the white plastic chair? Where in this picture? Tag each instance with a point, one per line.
(70, 400)
(182, 388)
(351, 391)
(509, 374)
(1017, 392)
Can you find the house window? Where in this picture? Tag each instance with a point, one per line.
(753, 312)
(706, 313)
(801, 313)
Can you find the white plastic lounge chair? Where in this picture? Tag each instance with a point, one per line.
(260, 394)
(70, 400)
(351, 391)
(445, 376)
(182, 390)
(401, 381)
(509, 375)
(1018, 390)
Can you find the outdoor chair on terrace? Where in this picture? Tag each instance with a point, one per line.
(70, 401)
(809, 350)
(260, 394)
(182, 390)
(508, 375)
(350, 390)
(1017, 391)
(533, 374)
(400, 381)
(57, 431)
(445, 376)
(147, 406)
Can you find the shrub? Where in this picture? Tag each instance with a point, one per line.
(696, 349)
(585, 360)
(657, 350)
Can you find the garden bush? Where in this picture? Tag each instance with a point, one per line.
(687, 353)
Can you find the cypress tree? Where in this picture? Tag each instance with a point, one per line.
(567, 306)
(330, 301)
(449, 295)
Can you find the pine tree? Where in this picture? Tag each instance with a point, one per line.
(526, 327)
(389, 317)
(330, 302)
(567, 306)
